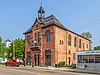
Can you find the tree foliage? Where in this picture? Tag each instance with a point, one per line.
(0, 47)
(87, 35)
(18, 47)
(97, 48)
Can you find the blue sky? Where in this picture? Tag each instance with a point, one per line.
(16, 16)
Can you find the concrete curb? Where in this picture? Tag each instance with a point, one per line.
(70, 70)
(88, 71)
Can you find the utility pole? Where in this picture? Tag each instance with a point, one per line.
(13, 51)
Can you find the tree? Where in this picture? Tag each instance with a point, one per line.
(18, 47)
(10, 51)
(0, 47)
(87, 35)
(4, 50)
(97, 48)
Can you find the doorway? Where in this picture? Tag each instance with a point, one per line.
(69, 60)
(48, 57)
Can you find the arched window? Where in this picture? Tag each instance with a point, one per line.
(69, 40)
(39, 37)
(80, 43)
(74, 41)
(28, 39)
(35, 35)
(47, 36)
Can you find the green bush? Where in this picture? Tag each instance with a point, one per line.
(67, 65)
(61, 64)
(71, 66)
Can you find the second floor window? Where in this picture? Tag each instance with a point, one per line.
(83, 46)
(86, 45)
(69, 40)
(47, 36)
(35, 35)
(69, 52)
(80, 43)
(60, 41)
(75, 42)
(39, 37)
(28, 39)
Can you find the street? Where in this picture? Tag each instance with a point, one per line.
(8, 70)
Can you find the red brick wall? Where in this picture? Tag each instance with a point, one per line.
(48, 46)
(59, 52)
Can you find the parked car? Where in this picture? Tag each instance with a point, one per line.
(12, 63)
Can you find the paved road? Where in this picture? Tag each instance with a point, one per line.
(27, 71)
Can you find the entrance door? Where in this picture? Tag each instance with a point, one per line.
(48, 57)
(28, 61)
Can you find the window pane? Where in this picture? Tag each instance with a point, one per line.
(97, 58)
(69, 40)
(83, 46)
(80, 43)
(47, 36)
(79, 58)
(75, 42)
(85, 58)
(91, 58)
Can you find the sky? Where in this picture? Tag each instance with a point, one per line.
(16, 16)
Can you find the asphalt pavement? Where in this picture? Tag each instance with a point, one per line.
(28, 70)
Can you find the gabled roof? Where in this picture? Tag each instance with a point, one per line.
(29, 30)
(49, 21)
(7, 40)
(52, 20)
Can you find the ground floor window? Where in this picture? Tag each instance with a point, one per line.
(91, 58)
(80, 59)
(97, 58)
(88, 58)
(85, 58)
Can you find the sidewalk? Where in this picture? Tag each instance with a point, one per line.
(90, 71)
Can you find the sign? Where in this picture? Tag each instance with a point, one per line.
(88, 52)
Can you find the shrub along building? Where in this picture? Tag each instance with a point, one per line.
(48, 42)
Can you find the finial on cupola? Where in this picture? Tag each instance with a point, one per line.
(41, 12)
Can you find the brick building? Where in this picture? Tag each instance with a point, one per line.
(48, 42)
